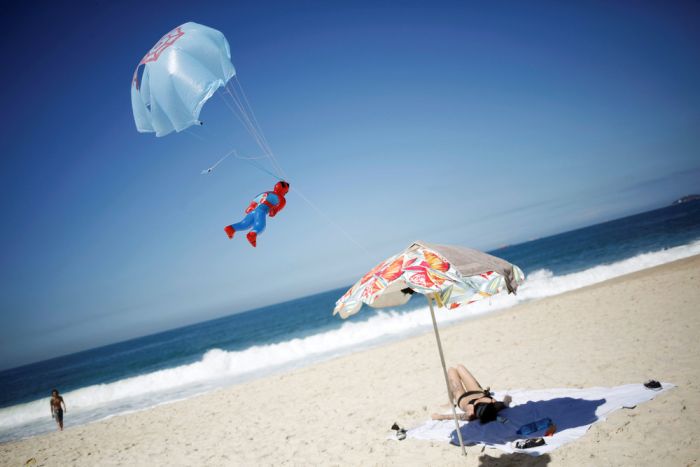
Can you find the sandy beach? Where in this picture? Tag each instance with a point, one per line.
(627, 330)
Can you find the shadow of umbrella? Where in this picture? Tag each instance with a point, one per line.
(565, 412)
(521, 460)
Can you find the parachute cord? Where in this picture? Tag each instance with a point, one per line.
(195, 135)
(249, 115)
(211, 169)
(250, 119)
(328, 219)
(259, 167)
(250, 130)
(232, 151)
(256, 158)
(252, 113)
(255, 120)
(258, 134)
(247, 124)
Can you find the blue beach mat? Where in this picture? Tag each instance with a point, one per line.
(573, 411)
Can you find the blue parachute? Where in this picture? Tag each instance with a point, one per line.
(177, 76)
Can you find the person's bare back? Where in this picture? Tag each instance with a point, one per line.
(58, 407)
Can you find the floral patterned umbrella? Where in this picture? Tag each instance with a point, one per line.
(453, 275)
(449, 275)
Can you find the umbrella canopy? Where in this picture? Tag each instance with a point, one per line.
(455, 275)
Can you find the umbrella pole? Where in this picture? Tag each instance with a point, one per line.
(444, 370)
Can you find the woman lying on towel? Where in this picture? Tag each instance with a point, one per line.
(468, 395)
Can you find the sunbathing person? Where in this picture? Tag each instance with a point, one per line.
(468, 395)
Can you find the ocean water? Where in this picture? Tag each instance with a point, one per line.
(161, 368)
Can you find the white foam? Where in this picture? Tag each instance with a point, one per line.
(543, 283)
(219, 367)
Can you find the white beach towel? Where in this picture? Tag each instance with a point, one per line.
(573, 411)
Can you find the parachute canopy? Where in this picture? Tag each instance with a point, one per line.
(177, 76)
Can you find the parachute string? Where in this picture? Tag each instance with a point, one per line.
(232, 151)
(240, 119)
(252, 112)
(248, 114)
(328, 219)
(250, 158)
(248, 125)
(262, 142)
(245, 119)
(255, 120)
(258, 166)
(250, 118)
(195, 135)
(211, 169)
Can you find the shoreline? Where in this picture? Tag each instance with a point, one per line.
(624, 330)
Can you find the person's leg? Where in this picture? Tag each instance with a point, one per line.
(467, 379)
(455, 382)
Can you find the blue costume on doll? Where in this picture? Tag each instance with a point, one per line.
(267, 203)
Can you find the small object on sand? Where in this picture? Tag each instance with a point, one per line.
(529, 443)
(653, 385)
(551, 429)
(400, 432)
(541, 424)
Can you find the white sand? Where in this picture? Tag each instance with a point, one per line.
(644, 325)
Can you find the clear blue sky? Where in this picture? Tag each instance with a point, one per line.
(477, 123)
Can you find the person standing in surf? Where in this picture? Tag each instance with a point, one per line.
(58, 408)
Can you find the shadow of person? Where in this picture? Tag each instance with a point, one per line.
(514, 459)
(565, 412)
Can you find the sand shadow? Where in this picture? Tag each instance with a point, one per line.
(514, 459)
(565, 412)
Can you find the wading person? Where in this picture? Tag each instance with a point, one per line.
(58, 408)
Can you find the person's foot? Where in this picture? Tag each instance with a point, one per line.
(229, 231)
(252, 238)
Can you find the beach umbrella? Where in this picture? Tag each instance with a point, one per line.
(448, 275)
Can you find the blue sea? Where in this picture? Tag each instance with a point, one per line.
(177, 364)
